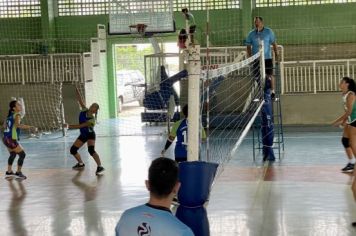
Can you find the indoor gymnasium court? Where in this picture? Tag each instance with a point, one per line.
(304, 193)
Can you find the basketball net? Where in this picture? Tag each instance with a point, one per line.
(138, 30)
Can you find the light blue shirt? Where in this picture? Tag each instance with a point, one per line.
(151, 221)
(254, 38)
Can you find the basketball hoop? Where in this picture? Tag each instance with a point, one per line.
(138, 29)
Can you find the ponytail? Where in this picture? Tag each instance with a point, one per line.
(352, 85)
(11, 107)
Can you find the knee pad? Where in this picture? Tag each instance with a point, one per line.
(91, 150)
(345, 142)
(73, 150)
(11, 159)
(22, 156)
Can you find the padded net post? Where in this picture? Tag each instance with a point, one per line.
(193, 102)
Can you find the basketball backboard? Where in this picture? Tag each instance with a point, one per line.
(156, 14)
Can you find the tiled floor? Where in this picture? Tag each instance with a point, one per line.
(304, 193)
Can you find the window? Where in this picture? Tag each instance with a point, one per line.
(203, 4)
(20, 8)
(279, 3)
(83, 7)
(98, 7)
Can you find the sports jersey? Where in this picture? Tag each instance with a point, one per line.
(266, 35)
(352, 117)
(85, 117)
(149, 220)
(10, 130)
(180, 130)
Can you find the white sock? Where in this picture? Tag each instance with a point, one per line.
(352, 161)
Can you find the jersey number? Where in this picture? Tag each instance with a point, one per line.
(185, 137)
(8, 124)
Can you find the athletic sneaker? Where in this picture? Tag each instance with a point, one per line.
(9, 175)
(348, 168)
(19, 175)
(100, 170)
(78, 166)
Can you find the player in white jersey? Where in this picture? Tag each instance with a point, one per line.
(155, 218)
(348, 120)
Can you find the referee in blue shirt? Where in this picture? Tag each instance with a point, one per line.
(265, 34)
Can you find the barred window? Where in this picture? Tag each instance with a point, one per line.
(203, 4)
(279, 3)
(20, 8)
(98, 7)
(83, 7)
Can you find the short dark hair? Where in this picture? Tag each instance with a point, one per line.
(185, 110)
(259, 17)
(351, 82)
(182, 31)
(184, 9)
(162, 176)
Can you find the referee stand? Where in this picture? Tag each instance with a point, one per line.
(278, 140)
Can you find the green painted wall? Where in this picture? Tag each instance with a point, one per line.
(20, 36)
(293, 25)
(299, 25)
(330, 23)
(73, 33)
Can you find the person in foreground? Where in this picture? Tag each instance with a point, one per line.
(155, 217)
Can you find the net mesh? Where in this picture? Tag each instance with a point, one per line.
(41, 62)
(39, 81)
(161, 100)
(232, 98)
(43, 110)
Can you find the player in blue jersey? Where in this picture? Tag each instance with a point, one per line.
(87, 120)
(12, 128)
(155, 218)
(180, 131)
